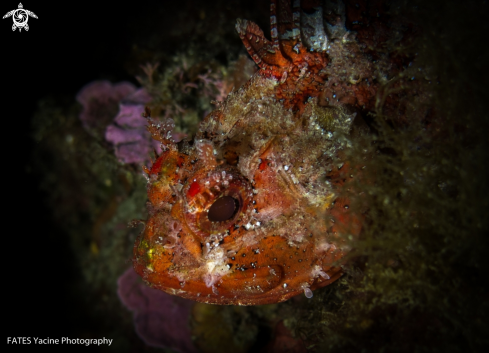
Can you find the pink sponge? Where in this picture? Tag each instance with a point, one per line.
(161, 320)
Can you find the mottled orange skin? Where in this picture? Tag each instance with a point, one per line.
(264, 147)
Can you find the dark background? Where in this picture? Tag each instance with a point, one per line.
(69, 45)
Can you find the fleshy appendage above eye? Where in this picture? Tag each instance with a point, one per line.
(216, 201)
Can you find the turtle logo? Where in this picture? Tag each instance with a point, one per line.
(20, 17)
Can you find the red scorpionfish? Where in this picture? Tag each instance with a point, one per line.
(249, 213)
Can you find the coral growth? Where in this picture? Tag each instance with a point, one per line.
(100, 100)
(187, 87)
(132, 142)
(161, 320)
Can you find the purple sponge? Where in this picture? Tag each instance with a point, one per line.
(128, 134)
(100, 100)
(161, 320)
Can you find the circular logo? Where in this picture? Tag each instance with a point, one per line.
(20, 17)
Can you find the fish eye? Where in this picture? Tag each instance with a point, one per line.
(223, 209)
(217, 200)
